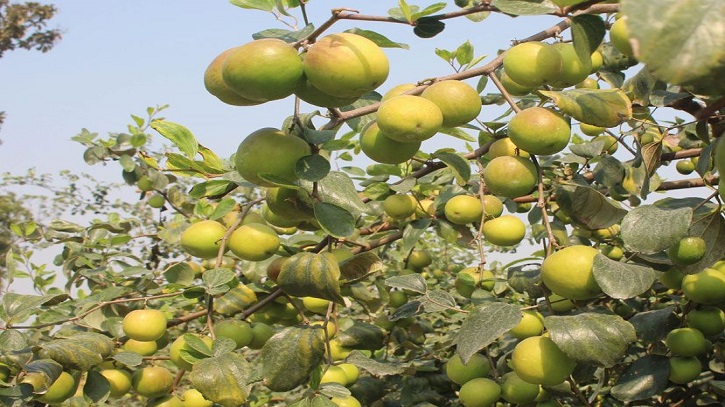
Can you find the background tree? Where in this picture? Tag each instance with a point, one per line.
(286, 274)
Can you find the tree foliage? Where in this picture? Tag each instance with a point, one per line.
(394, 298)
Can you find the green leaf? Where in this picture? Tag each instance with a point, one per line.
(432, 9)
(12, 340)
(591, 338)
(647, 377)
(464, 53)
(130, 359)
(362, 335)
(288, 36)
(179, 135)
(653, 326)
(378, 368)
(212, 161)
(18, 307)
(312, 167)
(96, 387)
(438, 300)
(334, 220)
(289, 356)
(459, 165)
(598, 107)
(484, 325)
(412, 233)
(224, 206)
(180, 273)
(694, 59)
(222, 379)
(411, 282)
(641, 86)
(212, 189)
(588, 206)
(264, 5)
(649, 229)
(622, 280)
(379, 39)
(358, 123)
(406, 10)
(81, 351)
(311, 274)
(48, 369)
(217, 277)
(360, 265)
(587, 33)
(525, 7)
(428, 27)
(337, 188)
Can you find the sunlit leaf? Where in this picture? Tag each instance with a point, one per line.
(289, 356)
(622, 280)
(179, 135)
(222, 379)
(484, 325)
(648, 229)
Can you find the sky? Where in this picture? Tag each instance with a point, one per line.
(117, 58)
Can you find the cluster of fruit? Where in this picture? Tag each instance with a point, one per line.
(334, 71)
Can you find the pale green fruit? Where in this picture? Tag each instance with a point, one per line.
(238, 331)
(265, 69)
(314, 96)
(510, 177)
(269, 151)
(568, 273)
(214, 83)
(348, 401)
(480, 392)
(684, 369)
(144, 324)
(459, 373)
(517, 391)
(119, 381)
(180, 344)
(345, 65)
(706, 287)
(254, 242)
(492, 206)
(398, 90)
(383, 149)
(507, 230)
(610, 143)
(531, 324)
(686, 342)
(504, 146)
(458, 101)
(512, 87)
(463, 209)
(143, 348)
(152, 381)
(194, 398)
(590, 130)
(574, 69)
(538, 360)
(533, 64)
(399, 206)
(409, 119)
(619, 35)
(286, 203)
(709, 320)
(201, 239)
(538, 130)
(62, 388)
(261, 333)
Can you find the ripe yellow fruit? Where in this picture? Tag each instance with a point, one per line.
(168, 400)
(510, 177)
(706, 287)
(119, 381)
(619, 35)
(504, 146)
(459, 373)
(531, 324)
(152, 381)
(144, 324)
(539, 131)
(574, 69)
(215, 85)
(254, 242)
(399, 206)
(351, 372)
(265, 69)
(538, 360)
(334, 374)
(458, 101)
(463, 209)
(62, 388)
(507, 230)
(314, 96)
(201, 239)
(568, 273)
(345, 65)
(480, 392)
(409, 119)
(533, 64)
(348, 401)
(269, 151)
(316, 305)
(381, 148)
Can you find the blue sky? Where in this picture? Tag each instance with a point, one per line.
(117, 58)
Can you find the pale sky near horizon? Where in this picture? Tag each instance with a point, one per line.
(117, 58)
